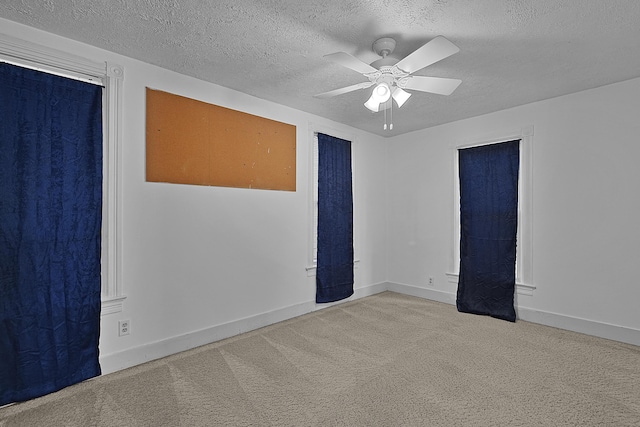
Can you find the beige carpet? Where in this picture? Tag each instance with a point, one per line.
(385, 360)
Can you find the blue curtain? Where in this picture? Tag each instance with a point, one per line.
(334, 273)
(488, 225)
(50, 224)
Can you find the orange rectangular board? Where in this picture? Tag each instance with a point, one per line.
(192, 142)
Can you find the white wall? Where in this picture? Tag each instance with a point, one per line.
(586, 201)
(201, 263)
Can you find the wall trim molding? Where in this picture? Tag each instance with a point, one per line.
(560, 321)
(50, 60)
(145, 353)
(112, 305)
(524, 249)
(426, 293)
(583, 326)
(110, 76)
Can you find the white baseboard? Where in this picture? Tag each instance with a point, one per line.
(584, 326)
(137, 355)
(561, 321)
(357, 294)
(426, 293)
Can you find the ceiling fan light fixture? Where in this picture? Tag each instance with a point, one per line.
(390, 76)
(400, 96)
(372, 104)
(381, 94)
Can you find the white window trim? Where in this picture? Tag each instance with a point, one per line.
(109, 75)
(314, 129)
(524, 246)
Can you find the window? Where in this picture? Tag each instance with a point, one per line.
(30, 55)
(51, 190)
(313, 188)
(524, 269)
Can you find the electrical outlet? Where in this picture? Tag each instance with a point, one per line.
(430, 281)
(124, 327)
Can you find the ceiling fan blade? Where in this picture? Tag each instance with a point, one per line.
(340, 91)
(438, 85)
(350, 61)
(430, 53)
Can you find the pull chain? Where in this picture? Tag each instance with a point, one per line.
(385, 119)
(390, 125)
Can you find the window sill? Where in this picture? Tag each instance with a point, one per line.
(112, 305)
(521, 288)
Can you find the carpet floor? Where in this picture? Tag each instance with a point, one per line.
(385, 360)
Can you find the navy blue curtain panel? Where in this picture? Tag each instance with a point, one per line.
(50, 223)
(488, 225)
(334, 273)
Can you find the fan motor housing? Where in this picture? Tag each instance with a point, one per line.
(384, 46)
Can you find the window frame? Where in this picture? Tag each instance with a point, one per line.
(524, 234)
(314, 130)
(110, 76)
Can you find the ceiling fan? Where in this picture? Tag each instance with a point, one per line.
(391, 76)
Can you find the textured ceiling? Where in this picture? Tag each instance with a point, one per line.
(512, 52)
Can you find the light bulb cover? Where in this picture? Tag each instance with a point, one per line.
(372, 104)
(381, 94)
(400, 96)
